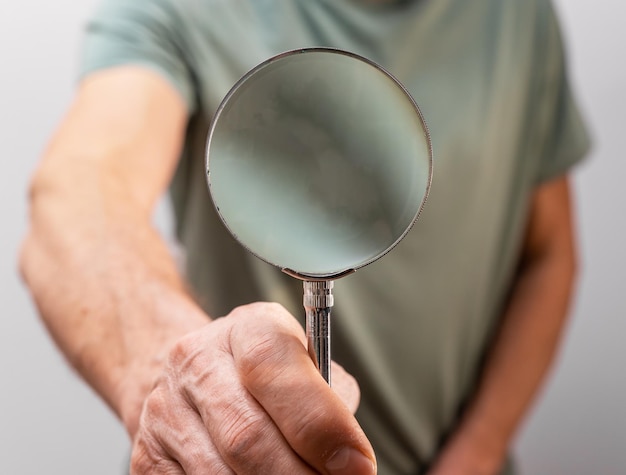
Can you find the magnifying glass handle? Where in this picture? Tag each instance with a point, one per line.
(318, 300)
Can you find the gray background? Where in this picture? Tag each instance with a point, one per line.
(50, 422)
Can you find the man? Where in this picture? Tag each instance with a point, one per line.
(449, 336)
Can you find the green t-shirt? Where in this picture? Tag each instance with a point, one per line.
(489, 77)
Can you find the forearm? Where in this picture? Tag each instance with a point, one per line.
(525, 343)
(105, 283)
(519, 359)
(111, 296)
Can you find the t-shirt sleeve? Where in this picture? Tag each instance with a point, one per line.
(564, 136)
(140, 32)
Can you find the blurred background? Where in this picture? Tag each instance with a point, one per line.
(50, 422)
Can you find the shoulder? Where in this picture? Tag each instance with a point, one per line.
(185, 14)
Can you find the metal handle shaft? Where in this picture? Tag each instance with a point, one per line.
(318, 300)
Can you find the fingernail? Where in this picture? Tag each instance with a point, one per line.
(349, 461)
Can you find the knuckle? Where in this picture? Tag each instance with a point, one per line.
(139, 464)
(273, 308)
(242, 438)
(258, 310)
(257, 356)
(188, 357)
(155, 404)
(181, 352)
(144, 458)
(267, 358)
(161, 467)
(307, 425)
(261, 308)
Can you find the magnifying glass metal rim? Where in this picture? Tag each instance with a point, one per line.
(318, 298)
(299, 274)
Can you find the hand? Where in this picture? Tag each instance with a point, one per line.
(241, 395)
(467, 456)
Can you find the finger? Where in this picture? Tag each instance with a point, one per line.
(148, 458)
(346, 387)
(277, 370)
(244, 436)
(185, 439)
(161, 467)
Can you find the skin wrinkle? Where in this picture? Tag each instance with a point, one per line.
(243, 430)
(115, 303)
(261, 356)
(262, 350)
(227, 414)
(186, 442)
(264, 373)
(302, 427)
(149, 453)
(205, 457)
(114, 300)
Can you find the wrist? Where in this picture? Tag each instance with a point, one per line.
(487, 438)
(142, 372)
(134, 388)
(475, 448)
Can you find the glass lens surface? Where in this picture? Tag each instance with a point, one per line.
(318, 161)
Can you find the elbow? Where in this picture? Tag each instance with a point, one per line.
(27, 261)
(23, 256)
(27, 251)
(46, 191)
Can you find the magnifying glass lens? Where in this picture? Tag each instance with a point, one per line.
(319, 162)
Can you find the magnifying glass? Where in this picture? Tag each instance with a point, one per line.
(318, 162)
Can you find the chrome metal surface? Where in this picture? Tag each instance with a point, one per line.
(318, 300)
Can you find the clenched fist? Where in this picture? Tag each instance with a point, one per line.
(242, 396)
